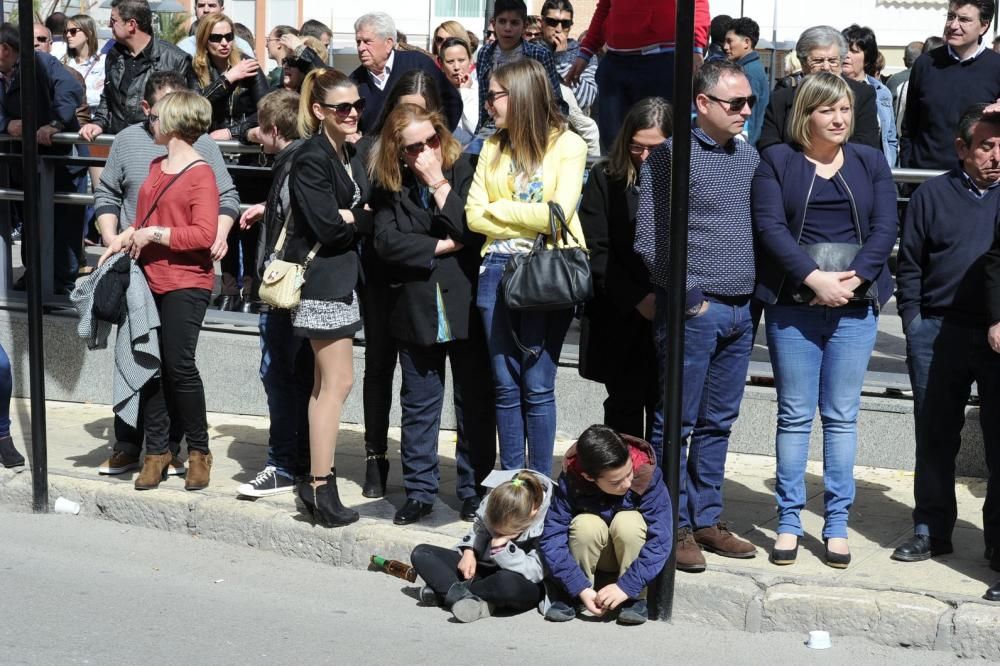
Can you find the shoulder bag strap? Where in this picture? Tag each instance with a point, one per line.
(173, 180)
(280, 244)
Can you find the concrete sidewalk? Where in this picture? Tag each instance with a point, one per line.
(934, 604)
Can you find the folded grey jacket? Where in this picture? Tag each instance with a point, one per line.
(137, 348)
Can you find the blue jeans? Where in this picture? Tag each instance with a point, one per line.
(717, 346)
(819, 356)
(624, 80)
(944, 358)
(6, 388)
(286, 370)
(524, 383)
(421, 399)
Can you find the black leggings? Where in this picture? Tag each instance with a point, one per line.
(507, 590)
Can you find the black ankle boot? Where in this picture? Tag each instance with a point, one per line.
(376, 473)
(326, 501)
(9, 456)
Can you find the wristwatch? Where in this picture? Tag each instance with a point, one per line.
(57, 124)
(437, 186)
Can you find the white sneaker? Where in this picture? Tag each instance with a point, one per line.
(268, 482)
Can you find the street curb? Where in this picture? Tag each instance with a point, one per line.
(732, 599)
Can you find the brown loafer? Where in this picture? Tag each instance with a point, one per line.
(689, 555)
(154, 470)
(719, 540)
(198, 471)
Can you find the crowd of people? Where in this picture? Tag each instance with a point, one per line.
(409, 188)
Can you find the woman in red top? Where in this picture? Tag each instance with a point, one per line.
(176, 223)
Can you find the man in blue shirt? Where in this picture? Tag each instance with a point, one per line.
(718, 334)
(741, 40)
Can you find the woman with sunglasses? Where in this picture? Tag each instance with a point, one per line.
(83, 56)
(233, 83)
(616, 343)
(447, 30)
(821, 195)
(329, 189)
(432, 262)
(531, 160)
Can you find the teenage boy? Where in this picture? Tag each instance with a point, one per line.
(508, 21)
(557, 19)
(610, 512)
(286, 361)
(741, 40)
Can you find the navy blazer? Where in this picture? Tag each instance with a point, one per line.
(57, 95)
(780, 197)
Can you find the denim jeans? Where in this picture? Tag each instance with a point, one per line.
(6, 388)
(717, 346)
(624, 80)
(944, 358)
(819, 356)
(524, 383)
(421, 399)
(286, 370)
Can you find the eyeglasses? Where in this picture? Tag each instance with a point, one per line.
(532, 34)
(819, 62)
(554, 22)
(639, 149)
(414, 149)
(962, 20)
(493, 95)
(153, 118)
(71, 32)
(113, 20)
(736, 104)
(344, 108)
(216, 38)
(41, 39)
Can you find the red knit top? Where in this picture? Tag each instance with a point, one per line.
(634, 24)
(190, 209)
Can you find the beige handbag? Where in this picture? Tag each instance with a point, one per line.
(281, 285)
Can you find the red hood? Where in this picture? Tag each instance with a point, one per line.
(643, 463)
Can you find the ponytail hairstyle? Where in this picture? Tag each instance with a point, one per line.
(315, 87)
(510, 505)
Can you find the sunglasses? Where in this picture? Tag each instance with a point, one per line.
(489, 34)
(493, 95)
(41, 39)
(153, 118)
(531, 34)
(216, 38)
(554, 22)
(71, 32)
(414, 149)
(736, 104)
(344, 108)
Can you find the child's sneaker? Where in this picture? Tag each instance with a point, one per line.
(267, 482)
(470, 609)
(560, 611)
(633, 611)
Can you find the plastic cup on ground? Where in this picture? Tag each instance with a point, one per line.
(64, 505)
(818, 640)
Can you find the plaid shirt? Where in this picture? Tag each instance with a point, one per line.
(484, 67)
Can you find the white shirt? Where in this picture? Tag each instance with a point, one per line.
(386, 72)
(982, 47)
(92, 72)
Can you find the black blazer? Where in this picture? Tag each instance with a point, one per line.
(991, 269)
(405, 61)
(866, 131)
(406, 235)
(319, 187)
(614, 329)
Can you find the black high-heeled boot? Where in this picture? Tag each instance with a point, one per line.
(376, 474)
(326, 500)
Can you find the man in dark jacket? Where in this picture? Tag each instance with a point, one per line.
(57, 96)
(136, 54)
(610, 510)
(382, 65)
(822, 49)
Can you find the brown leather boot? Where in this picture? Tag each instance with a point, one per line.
(154, 470)
(719, 540)
(198, 472)
(689, 555)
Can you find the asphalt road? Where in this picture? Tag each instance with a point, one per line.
(84, 591)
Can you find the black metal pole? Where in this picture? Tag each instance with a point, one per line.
(680, 180)
(33, 260)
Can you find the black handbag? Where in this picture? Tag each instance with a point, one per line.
(548, 279)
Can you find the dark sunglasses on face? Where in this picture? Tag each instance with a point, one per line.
(553, 22)
(414, 149)
(736, 104)
(41, 39)
(71, 32)
(344, 108)
(217, 38)
(493, 95)
(489, 34)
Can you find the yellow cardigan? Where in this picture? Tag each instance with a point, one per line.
(492, 211)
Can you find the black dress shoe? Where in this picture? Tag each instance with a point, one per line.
(921, 547)
(469, 508)
(250, 307)
(411, 512)
(993, 594)
(784, 557)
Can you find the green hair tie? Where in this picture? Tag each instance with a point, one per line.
(516, 482)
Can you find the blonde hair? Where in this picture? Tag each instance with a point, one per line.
(385, 158)
(533, 119)
(454, 29)
(184, 113)
(200, 63)
(510, 505)
(315, 87)
(816, 90)
(316, 46)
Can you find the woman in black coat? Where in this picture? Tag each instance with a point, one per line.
(617, 337)
(432, 262)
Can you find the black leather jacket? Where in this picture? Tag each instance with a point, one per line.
(119, 109)
(234, 106)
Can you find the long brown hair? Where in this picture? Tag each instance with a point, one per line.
(532, 115)
(510, 505)
(201, 61)
(89, 28)
(648, 113)
(315, 87)
(384, 163)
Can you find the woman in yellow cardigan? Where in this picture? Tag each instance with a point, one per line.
(531, 160)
